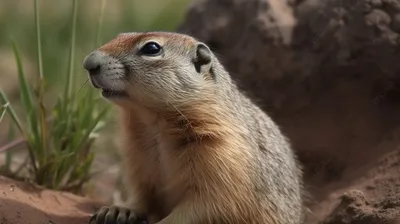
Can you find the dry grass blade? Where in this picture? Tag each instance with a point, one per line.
(11, 112)
(3, 110)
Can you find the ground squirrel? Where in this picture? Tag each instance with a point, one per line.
(197, 151)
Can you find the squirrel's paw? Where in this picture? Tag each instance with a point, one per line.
(116, 215)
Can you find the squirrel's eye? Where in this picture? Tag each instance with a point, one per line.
(151, 49)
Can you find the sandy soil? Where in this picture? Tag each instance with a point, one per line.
(23, 203)
(370, 198)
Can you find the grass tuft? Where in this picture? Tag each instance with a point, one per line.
(59, 139)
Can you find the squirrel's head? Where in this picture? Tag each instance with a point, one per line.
(153, 69)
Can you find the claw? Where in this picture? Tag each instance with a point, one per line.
(116, 215)
(92, 219)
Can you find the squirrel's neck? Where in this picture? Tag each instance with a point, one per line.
(203, 120)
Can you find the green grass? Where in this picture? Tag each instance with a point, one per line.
(58, 137)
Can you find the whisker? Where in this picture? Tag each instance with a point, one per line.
(129, 82)
(113, 87)
(188, 123)
(84, 84)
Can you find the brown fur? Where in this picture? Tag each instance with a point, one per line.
(215, 175)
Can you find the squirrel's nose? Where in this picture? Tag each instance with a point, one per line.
(93, 62)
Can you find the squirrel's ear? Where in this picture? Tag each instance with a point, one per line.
(202, 59)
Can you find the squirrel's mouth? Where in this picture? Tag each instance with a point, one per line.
(107, 90)
(107, 93)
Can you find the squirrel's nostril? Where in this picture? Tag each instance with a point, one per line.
(92, 63)
(95, 70)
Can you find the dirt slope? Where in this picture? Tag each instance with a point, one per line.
(23, 203)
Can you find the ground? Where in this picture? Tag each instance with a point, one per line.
(25, 203)
(366, 198)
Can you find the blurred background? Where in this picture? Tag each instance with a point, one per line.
(17, 22)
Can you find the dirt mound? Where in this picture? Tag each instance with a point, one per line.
(327, 72)
(373, 198)
(23, 203)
